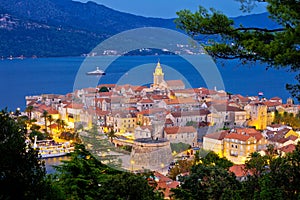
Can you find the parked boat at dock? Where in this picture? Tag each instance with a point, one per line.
(49, 148)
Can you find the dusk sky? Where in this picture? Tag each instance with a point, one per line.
(168, 8)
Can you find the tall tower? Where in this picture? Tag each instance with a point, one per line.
(158, 75)
(158, 128)
(290, 101)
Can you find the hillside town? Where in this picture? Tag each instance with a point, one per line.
(151, 119)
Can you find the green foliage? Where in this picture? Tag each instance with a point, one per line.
(127, 148)
(111, 135)
(256, 164)
(94, 130)
(288, 119)
(85, 177)
(22, 172)
(100, 146)
(213, 159)
(208, 182)
(210, 179)
(179, 147)
(40, 135)
(35, 127)
(192, 123)
(45, 116)
(268, 177)
(28, 110)
(61, 124)
(103, 89)
(278, 47)
(181, 166)
(68, 135)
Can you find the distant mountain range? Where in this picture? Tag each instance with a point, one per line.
(47, 28)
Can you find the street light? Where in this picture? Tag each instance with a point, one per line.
(132, 163)
(162, 167)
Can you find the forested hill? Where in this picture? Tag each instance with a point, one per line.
(62, 27)
(256, 20)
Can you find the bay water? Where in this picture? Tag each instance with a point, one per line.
(20, 78)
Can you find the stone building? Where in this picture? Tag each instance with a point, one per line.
(150, 154)
(185, 134)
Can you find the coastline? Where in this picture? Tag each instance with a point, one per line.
(56, 75)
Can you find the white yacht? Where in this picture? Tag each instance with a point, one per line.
(49, 149)
(97, 72)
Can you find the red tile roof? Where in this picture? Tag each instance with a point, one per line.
(168, 121)
(288, 149)
(90, 90)
(159, 97)
(165, 184)
(239, 170)
(172, 83)
(104, 94)
(203, 91)
(146, 127)
(139, 88)
(217, 135)
(151, 111)
(271, 104)
(241, 98)
(276, 125)
(171, 101)
(276, 98)
(146, 101)
(186, 91)
(177, 129)
(226, 108)
(190, 113)
(162, 178)
(249, 131)
(282, 140)
(107, 85)
(292, 137)
(75, 106)
(42, 107)
(52, 112)
(237, 136)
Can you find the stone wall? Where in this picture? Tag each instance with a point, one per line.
(151, 154)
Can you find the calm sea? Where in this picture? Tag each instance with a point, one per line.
(20, 78)
(51, 162)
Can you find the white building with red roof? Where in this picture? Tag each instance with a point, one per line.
(184, 134)
(214, 142)
(240, 143)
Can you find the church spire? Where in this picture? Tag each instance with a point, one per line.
(158, 75)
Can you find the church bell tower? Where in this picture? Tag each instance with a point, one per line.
(158, 75)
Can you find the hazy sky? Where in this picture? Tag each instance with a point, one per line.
(168, 8)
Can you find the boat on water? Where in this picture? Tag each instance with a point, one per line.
(97, 72)
(55, 150)
(50, 149)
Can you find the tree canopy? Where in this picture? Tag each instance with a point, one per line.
(271, 176)
(22, 172)
(209, 179)
(85, 177)
(278, 47)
